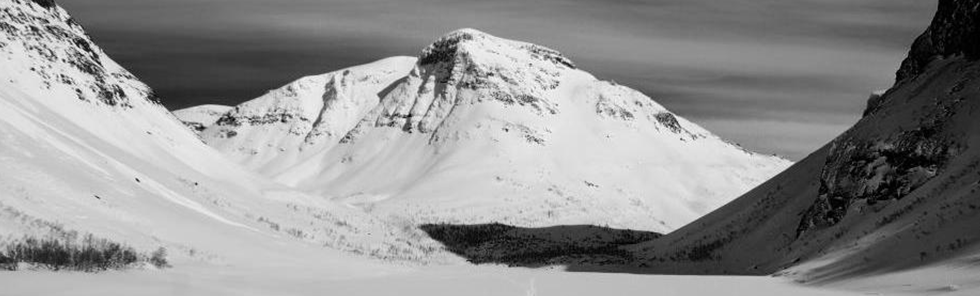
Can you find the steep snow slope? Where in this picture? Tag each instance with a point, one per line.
(86, 149)
(483, 129)
(200, 117)
(312, 114)
(899, 190)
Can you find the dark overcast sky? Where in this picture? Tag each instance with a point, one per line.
(777, 76)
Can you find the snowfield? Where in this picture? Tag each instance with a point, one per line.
(434, 281)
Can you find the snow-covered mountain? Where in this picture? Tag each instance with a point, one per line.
(484, 129)
(899, 190)
(86, 149)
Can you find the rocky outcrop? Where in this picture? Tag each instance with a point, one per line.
(955, 30)
(45, 3)
(880, 169)
(55, 52)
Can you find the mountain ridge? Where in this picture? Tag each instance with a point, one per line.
(953, 31)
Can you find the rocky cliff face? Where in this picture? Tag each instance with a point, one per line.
(45, 3)
(955, 30)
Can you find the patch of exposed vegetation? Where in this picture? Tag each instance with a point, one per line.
(88, 254)
(537, 247)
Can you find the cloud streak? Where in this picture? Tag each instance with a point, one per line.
(777, 76)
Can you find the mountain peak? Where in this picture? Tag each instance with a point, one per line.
(464, 34)
(468, 42)
(530, 136)
(954, 31)
(483, 66)
(449, 46)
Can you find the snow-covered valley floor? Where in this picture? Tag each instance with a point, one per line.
(441, 280)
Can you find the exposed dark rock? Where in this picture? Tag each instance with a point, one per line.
(46, 3)
(549, 54)
(954, 31)
(195, 126)
(235, 119)
(444, 50)
(669, 121)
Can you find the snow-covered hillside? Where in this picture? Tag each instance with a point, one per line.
(304, 116)
(897, 191)
(200, 117)
(484, 129)
(87, 150)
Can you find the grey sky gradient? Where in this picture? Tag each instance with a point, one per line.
(777, 76)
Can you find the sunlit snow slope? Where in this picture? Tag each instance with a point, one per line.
(484, 129)
(86, 149)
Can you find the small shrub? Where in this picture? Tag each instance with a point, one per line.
(159, 258)
(7, 263)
